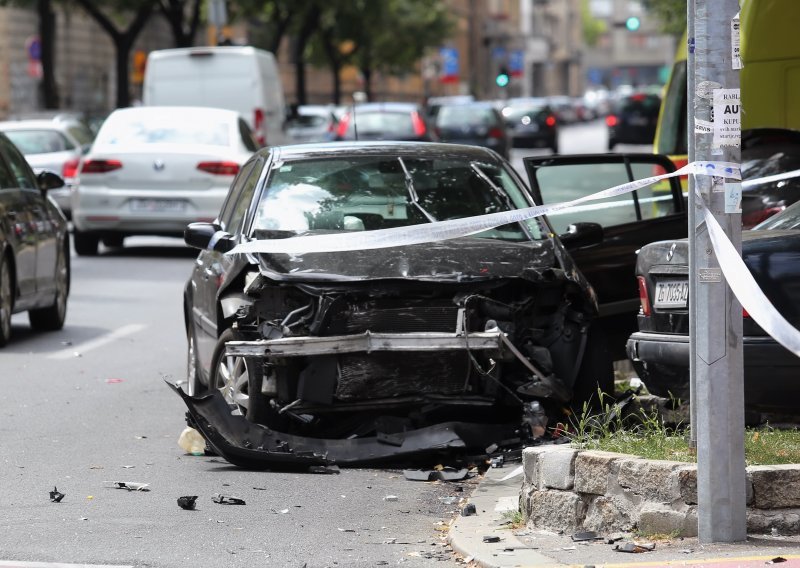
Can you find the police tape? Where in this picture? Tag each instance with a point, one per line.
(455, 228)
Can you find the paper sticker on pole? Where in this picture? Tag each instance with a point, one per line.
(727, 125)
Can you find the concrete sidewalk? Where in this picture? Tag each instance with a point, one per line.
(496, 498)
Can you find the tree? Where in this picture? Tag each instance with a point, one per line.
(136, 14)
(272, 19)
(184, 19)
(671, 14)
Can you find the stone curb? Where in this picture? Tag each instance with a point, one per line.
(491, 498)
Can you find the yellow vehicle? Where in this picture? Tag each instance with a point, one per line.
(770, 53)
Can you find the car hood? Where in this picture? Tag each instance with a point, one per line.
(456, 260)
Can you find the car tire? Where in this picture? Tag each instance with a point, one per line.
(86, 243)
(554, 147)
(51, 318)
(611, 144)
(113, 241)
(595, 379)
(6, 300)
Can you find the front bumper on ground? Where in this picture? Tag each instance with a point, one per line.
(771, 372)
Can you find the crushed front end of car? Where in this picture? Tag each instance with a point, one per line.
(395, 355)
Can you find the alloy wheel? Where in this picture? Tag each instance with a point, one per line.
(232, 382)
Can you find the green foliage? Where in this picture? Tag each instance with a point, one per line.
(593, 28)
(671, 14)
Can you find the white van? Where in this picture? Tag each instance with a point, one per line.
(244, 79)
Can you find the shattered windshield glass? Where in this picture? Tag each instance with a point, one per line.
(368, 193)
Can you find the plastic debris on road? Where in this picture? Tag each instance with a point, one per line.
(469, 510)
(130, 485)
(192, 442)
(227, 500)
(436, 474)
(187, 502)
(56, 496)
(390, 498)
(635, 547)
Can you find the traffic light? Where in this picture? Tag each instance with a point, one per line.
(632, 23)
(503, 77)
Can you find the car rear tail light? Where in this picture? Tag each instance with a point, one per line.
(550, 121)
(100, 166)
(611, 120)
(258, 126)
(70, 168)
(643, 298)
(495, 132)
(745, 314)
(219, 168)
(418, 124)
(753, 218)
(344, 124)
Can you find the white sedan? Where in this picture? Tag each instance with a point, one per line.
(153, 170)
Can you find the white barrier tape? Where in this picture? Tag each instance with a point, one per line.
(444, 230)
(746, 289)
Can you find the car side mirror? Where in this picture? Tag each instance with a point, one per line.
(47, 180)
(582, 235)
(208, 235)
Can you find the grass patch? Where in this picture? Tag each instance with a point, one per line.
(644, 434)
(513, 520)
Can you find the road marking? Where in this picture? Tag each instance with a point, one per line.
(95, 343)
(13, 564)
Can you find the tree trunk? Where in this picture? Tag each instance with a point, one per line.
(47, 39)
(366, 73)
(174, 13)
(123, 52)
(337, 83)
(309, 25)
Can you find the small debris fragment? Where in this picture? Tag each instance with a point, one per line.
(128, 466)
(569, 548)
(775, 531)
(491, 538)
(56, 496)
(390, 498)
(227, 500)
(66, 343)
(777, 560)
(469, 510)
(436, 474)
(325, 469)
(260, 488)
(613, 539)
(130, 485)
(192, 442)
(635, 547)
(584, 535)
(187, 502)
(687, 551)
(449, 500)
(347, 530)
(283, 511)
(497, 462)
(114, 381)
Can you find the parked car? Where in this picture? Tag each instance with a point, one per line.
(532, 125)
(477, 124)
(660, 349)
(311, 123)
(153, 170)
(34, 245)
(370, 355)
(385, 121)
(633, 120)
(565, 109)
(56, 145)
(433, 104)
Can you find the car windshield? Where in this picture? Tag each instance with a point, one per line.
(455, 116)
(366, 193)
(39, 141)
(179, 128)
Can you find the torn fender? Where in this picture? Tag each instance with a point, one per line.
(254, 446)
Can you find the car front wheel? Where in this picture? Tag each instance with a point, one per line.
(51, 318)
(230, 376)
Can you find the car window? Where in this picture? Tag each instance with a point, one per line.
(7, 180)
(39, 141)
(394, 123)
(565, 183)
(248, 139)
(374, 193)
(23, 175)
(459, 116)
(179, 128)
(233, 206)
(81, 133)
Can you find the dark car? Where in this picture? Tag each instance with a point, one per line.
(633, 120)
(532, 125)
(385, 121)
(477, 124)
(34, 245)
(383, 350)
(660, 349)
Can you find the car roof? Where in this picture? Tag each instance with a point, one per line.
(37, 124)
(389, 107)
(408, 149)
(173, 110)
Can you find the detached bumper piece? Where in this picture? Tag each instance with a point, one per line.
(254, 446)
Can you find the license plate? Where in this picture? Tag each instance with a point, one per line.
(672, 294)
(157, 205)
(638, 121)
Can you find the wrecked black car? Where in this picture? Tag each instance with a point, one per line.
(374, 355)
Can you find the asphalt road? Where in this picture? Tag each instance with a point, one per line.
(88, 405)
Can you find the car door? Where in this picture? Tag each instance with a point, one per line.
(19, 229)
(628, 221)
(211, 266)
(43, 232)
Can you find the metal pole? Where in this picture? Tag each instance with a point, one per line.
(690, 87)
(719, 395)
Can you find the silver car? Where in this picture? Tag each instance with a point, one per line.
(56, 145)
(154, 170)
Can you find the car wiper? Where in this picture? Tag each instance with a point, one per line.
(500, 193)
(413, 192)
